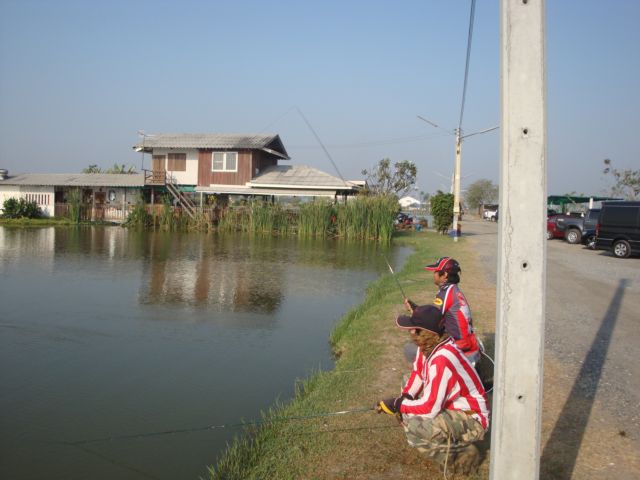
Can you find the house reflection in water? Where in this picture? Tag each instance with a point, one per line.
(225, 276)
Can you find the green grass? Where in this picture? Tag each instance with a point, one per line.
(36, 222)
(282, 449)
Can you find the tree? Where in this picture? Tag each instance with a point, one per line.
(627, 182)
(117, 168)
(382, 181)
(442, 211)
(92, 169)
(481, 192)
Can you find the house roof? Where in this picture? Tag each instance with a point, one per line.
(298, 176)
(268, 142)
(283, 192)
(76, 179)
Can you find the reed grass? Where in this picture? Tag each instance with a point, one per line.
(316, 218)
(363, 217)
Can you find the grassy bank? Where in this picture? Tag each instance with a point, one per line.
(370, 364)
(38, 222)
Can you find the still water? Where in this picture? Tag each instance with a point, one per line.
(107, 332)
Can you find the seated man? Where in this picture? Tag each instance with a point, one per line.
(443, 406)
(456, 314)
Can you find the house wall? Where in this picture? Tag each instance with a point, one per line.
(188, 177)
(206, 177)
(43, 196)
(262, 160)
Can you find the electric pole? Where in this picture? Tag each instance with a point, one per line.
(522, 255)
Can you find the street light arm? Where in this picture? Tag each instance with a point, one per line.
(482, 131)
(434, 125)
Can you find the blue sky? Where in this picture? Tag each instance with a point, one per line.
(78, 79)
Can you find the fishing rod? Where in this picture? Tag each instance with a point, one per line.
(393, 274)
(214, 427)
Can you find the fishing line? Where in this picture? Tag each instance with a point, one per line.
(117, 463)
(321, 144)
(214, 427)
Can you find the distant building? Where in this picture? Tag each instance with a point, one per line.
(109, 194)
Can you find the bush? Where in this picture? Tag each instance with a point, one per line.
(14, 208)
(442, 211)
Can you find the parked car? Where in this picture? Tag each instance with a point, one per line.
(580, 228)
(618, 228)
(490, 213)
(552, 228)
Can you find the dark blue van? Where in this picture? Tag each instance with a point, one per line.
(618, 228)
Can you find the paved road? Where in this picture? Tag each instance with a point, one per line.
(591, 414)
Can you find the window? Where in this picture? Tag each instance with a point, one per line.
(225, 162)
(177, 162)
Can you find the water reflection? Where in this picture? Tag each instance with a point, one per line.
(223, 273)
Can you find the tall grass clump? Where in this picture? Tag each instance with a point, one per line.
(267, 218)
(257, 217)
(316, 218)
(166, 219)
(234, 219)
(74, 198)
(367, 217)
(139, 217)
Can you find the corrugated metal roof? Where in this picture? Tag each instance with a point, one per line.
(206, 140)
(77, 179)
(298, 176)
(288, 192)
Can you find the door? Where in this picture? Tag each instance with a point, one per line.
(99, 205)
(158, 166)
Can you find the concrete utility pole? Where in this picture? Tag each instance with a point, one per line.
(456, 187)
(515, 438)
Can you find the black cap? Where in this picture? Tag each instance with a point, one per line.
(426, 317)
(444, 264)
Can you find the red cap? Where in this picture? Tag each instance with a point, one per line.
(445, 264)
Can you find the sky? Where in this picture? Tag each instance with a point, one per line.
(79, 79)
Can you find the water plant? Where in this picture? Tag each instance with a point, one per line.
(74, 199)
(139, 217)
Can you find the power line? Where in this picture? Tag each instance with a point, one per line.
(373, 143)
(466, 68)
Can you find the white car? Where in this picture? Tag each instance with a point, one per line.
(490, 214)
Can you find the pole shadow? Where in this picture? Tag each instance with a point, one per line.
(561, 451)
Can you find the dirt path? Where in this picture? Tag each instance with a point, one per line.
(591, 420)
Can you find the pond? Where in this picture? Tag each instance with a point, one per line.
(109, 332)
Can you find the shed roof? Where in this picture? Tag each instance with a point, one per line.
(76, 179)
(564, 199)
(297, 176)
(268, 142)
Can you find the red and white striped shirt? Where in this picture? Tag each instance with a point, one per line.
(445, 380)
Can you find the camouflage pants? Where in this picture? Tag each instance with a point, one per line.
(444, 436)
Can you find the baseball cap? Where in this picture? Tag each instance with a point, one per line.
(446, 264)
(426, 317)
